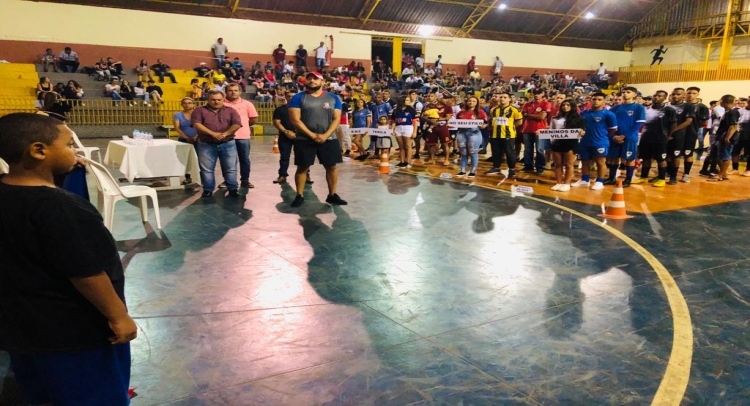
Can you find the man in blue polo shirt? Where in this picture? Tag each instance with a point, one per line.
(601, 126)
(630, 117)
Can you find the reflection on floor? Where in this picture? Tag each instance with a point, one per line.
(640, 198)
(423, 291)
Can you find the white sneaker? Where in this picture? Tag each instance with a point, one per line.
(597, 186)
(580, 183)
(564, 188)
(556, 187)
(686, 178)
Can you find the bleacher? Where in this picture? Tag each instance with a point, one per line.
(19, 84)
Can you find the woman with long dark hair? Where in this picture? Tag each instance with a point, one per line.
(405, 121)
(361, 118)
(470, 139)
(564, 150)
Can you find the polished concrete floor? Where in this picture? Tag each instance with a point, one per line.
(432, 292)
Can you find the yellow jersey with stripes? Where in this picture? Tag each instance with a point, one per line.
(504, 128)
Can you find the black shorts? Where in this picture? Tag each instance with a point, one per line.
(740, 147)
(676, 147)
(649, 151)
(689, 146)
(564, 146)
(328, 153)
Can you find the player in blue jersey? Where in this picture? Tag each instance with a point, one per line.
(601, 125)
(630, 117)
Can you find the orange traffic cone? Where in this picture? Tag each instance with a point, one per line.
(616, 206)
(384, 168)
(276, 144)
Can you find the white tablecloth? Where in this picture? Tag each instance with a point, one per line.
(166, 158)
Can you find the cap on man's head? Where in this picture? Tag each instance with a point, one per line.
(447, 95)
(315, 74)
(203, 63)
(432, 113)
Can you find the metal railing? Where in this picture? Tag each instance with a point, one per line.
(123, 112)
(687, 72)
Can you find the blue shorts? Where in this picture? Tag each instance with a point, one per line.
(587, 153)
(724, 150)
(89, 378)
(627, 150)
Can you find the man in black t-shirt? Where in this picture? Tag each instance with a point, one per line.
(286, 137)
(726, 137)
(660, 119)
(162, 69)
(301, 57)
(695, 130)
(676, 145)
(63, 318)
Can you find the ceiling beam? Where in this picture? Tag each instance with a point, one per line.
(573, 20)
(367, 9)
(660, 11)
(475, 17)
(530, 11)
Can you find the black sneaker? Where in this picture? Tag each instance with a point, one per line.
(462, 173)
(540, 171)
(626, 183)
(309, 181)
(234, 193)
(348, 153)
(493, 171)
(488, 159)
(672, 181)
(511, 174)
(471, 175)
(610, 182)
(298, 201)
(528, 170)
(416, 155)
(704, 173)
(207, 193)
(336, 200)
(361, 157)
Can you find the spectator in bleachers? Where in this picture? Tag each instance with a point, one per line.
(51, 103)
(269, 79)
(143, 71)
(154, 91)
(236, 78)
(320, 56)
(263, 96)
(279, 54)
(162, 69)
(288, 67)
(59, 88)
(112, 89)
(68, 61)
(139, 92)
(203, 70)
(44, 86)
(127, 91)
(49, 59)
(205, 87)
(102, 70)
(195, 89)
(238, 66)
(115, 68)
(220, 52)
(301, 58)
(226, 66)
(73, 91)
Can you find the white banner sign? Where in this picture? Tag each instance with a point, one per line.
(453, 123)
(377, 132)
(562, 134)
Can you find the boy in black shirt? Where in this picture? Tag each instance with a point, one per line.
(726, 136)
(676, 145)
(660, 120)
(63, 318)
(695, 130)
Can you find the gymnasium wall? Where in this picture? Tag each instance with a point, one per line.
(183, 41)
(689, 51)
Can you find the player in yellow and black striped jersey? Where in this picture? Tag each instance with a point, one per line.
(505, 121)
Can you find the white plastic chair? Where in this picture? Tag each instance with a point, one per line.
(110, 192)
(87, 151)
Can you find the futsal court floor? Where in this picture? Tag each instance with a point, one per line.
(430, 291)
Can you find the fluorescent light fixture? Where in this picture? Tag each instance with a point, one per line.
(589, 15)
(502, 6)
(426, 30)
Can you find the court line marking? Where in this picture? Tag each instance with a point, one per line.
(677, 374)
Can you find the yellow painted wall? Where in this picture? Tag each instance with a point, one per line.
(20, 21)
(709, 90)
(459, 51)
